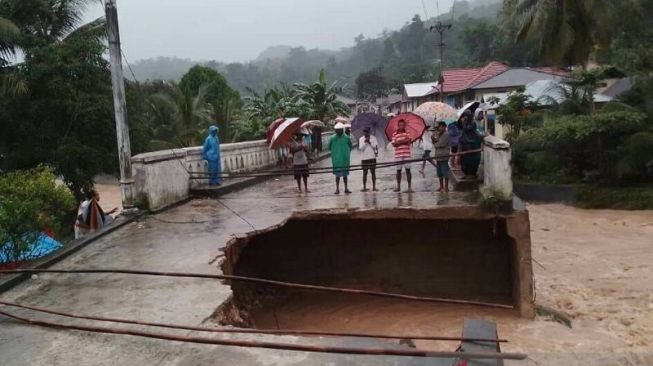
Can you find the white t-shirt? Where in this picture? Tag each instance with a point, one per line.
(368, 150)
(427, 144)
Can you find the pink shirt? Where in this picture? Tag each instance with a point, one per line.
(402, 151)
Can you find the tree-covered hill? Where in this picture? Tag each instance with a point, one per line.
(407, 54)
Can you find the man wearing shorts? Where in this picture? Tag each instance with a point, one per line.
(402, 143)
(300, 161)
(369, 148)
(441, 146)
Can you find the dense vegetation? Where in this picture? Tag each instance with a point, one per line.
(55, 92)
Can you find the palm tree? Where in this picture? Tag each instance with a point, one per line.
(191, 114)
(8, 34)
(570, 30)
(47, 21)
(28, 24)
(10, 83)
(322, 98)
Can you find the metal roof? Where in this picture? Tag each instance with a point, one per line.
(515, 77)
(419, 89)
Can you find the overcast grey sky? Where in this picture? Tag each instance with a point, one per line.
(238, 30)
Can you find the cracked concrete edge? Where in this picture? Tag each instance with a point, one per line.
(7, 282)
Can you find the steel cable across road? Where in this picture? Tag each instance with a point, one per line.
(259, 281)
(279, 332)
(272, 345)
(316, 170)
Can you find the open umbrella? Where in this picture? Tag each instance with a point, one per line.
(415, 126)
(436, 111)
(471, 106)
(341, 120)
(374, 122)
(272, 127)
(284, 132)
(313, 123)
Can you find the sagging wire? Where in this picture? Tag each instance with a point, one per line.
(262, 282)
(272, 345)
(283, 332)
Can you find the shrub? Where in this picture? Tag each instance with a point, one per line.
(636, 153)
(32, 202)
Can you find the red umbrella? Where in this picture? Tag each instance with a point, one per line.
(415, 126)
(284, 132)
(273, 126)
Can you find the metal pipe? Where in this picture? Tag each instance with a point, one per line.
(262, 281)
(249, 331)
(274, 345)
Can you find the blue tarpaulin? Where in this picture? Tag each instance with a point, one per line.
(43, 246)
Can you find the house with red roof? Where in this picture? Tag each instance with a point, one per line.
(455, 88)
(466, 84)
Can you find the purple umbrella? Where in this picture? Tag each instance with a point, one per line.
(374, 122)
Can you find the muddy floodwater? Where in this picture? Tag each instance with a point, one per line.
(595, 267)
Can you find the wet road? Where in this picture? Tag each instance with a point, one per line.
(185, 238)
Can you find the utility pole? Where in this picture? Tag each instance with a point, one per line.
(120, 107)
(441, 28)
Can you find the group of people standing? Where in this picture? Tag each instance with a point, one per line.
(458, 145)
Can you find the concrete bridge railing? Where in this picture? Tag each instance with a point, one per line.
(162, 178)
(497, 169)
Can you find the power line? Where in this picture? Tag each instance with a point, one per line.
(426, 13)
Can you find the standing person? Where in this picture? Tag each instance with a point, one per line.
(427, 145)
(211, 153)
(455, 130)
(306, 136)
(299, 151)
(470, 144)
(402, 143)
(317, 140)
(442, 148)
(340, 146)
(369, 147)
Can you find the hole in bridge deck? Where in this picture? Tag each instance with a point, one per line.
(467, 259)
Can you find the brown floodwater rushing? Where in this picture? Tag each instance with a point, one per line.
(328, 312)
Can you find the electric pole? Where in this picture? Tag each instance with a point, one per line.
(441, 28)
(120, 107)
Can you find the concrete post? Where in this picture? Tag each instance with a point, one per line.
(120, 106)
(497, 171)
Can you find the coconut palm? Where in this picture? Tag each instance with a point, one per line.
(191, 113)
(322, 98)
(28, 24)
(8, 34)
(570, 30)
(46, 20)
